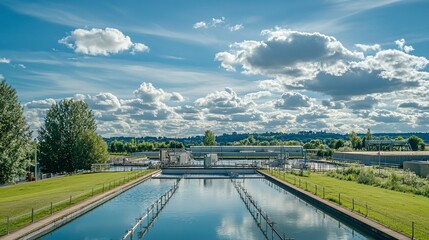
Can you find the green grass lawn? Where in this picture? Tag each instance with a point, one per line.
(18, 200)
(394, 209)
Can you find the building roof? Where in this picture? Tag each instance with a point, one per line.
(389, 153)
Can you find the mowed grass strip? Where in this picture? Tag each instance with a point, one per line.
(17, 200)
(394, 209)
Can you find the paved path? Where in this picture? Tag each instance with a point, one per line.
(59, 218)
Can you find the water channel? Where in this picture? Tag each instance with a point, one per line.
(206, 209)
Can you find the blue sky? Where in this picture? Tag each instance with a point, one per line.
(179, 67)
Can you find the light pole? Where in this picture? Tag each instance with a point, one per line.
(379, 157)
(35, 162)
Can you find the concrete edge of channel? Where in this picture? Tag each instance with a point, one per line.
(366, 225)
(50, 223)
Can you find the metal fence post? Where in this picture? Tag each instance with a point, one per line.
(103, 187)
(353, 203)
(412, 226)
(7, 224)
(51, 208)
(315, 185)
(366, 206)
(32, 215)
(306, 189)
(323, 192)
(70, 199)
(339, 198)
(92, 191)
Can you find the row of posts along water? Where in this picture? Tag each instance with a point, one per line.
(265, 224)
(151, 214)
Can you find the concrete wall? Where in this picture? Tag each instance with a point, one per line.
(374, 159)
(421, 168)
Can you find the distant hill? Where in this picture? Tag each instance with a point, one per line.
(303, 136)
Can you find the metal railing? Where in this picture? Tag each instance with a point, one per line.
(34, 213)
(151, 214)
(412, 228)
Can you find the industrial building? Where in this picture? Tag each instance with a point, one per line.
(169, 157)
(421, 168)
(248, 152)
(384, 158)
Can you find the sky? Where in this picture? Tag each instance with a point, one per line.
(177, 68)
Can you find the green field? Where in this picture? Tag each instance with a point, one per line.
(17, 201)
(394, 209)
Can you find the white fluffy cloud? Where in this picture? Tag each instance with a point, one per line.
(149, 94)
(236, 27)
(101, 42)
(5, 60)
(200, 25)
(288, 53)
(401, 45)
(320, 63)
(224, 102)
(101, 101)
(364, 47)
(292, 101)
(176, 97)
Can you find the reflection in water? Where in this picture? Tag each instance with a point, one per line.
(206, 209)
(295, 217)
(110, 220)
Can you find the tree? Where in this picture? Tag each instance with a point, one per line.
(416, 143)
(355, 140)
(68, 140)
(368, 135)
(15, 137)
(209, 138)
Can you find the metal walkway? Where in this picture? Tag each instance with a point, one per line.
(151, 214)
(258, 214)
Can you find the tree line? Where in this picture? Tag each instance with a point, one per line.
(66, 142)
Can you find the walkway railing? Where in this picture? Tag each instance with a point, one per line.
(151, 213)
(258, 214)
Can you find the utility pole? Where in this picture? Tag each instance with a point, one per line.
(35, 162)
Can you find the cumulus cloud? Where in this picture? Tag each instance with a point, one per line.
(176, 97)
(201, 24)
(101, 42)
(101, 101)
(366, 103)
(236, 27)
(320, 63)
(216, 21)
(257, 95)
(224, 102)
(40, 104)
(414, 105)
(148, 93)
(5, 60)
(333, 104)
(364, 47)
(401, 45)
(288, 53)
(292, 101)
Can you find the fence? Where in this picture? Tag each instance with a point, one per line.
(412, 228)
(9, 223)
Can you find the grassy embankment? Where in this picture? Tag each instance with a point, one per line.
(17, 201)
(396, 210)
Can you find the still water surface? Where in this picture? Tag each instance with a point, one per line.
(206, 209)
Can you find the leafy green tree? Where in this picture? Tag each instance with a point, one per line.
(339, 143)
(355, 140)
(416, 143)
(209, 138)
(68, 140)
(368, 135)
(15, 136)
